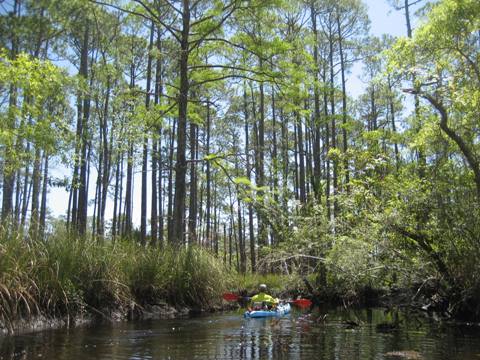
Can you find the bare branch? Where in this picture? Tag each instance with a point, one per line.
(172, 30)
(178, 11)
(229, 67)
(232, 76)
(472, 63)
(396, 7)
(197, 42)
(241, 47)
(163, 113)
(121, 9)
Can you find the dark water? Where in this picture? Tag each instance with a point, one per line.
(229, 336)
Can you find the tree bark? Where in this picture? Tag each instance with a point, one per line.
(208, 238)
(316, 103)
(156, 203)
(301, 159)
(83, 185)
(333, 144)
(467, 152)
(36, 179)
(193, 207)
(116, 200)
(143, 211)
(43, 205)
(344, 104)
(247, 157)
(8, 168)
(181, 164)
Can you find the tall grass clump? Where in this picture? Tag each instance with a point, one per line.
(182, 276)
(199, 278)
(70, 276)
(19, 292)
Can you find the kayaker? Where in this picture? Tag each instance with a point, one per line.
(263, 301)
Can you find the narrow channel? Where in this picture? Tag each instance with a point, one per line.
(332, 334)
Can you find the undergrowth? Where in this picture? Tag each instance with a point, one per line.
(70, 276)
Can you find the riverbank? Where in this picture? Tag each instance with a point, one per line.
(430, 298)
(159, 311)
(67, 280)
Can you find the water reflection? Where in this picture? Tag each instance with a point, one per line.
(340, 334)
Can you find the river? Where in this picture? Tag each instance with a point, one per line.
(332, 334)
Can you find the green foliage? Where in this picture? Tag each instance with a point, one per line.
(67, 275)
(276, 283)
(43, 117)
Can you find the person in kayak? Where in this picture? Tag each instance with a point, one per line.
(263, 301)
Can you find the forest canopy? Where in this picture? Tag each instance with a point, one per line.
(233, 124)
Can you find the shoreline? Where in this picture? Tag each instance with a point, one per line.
(158, 311)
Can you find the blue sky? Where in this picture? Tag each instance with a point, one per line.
(383, 20)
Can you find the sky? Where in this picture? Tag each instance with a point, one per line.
(383, 20)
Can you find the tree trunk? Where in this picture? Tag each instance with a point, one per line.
(8, 171)
(143, 211)
(285, 160)
(192, 213)
(394, 127)
(301, 159)
(181, 165)
(344, 104)
(36, 179)
(170, 183)
(327, 148)
(83, 185)
(262, 229)
(466, 150)
(208, 239)
(242, 265)
(296, 167)
(128, 192)
(107, 163)
(43, 205)
(156, 203)
(115, 200)
(247, 157)
(333, 144)
(316, 103)
(97, 197)
(275, 190)
(26, 197)
(127, 220)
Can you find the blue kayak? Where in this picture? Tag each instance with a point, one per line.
(280, 310)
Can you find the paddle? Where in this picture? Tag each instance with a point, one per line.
(303, 303)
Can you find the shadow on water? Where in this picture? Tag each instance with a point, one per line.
(327, 334)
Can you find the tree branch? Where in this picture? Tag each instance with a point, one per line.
(241, 47)
(197, 42)
(172, 30)
(464, 148)
(178, 11)
(229, 67)
(425, 244)
(472, 63)
(232, 76)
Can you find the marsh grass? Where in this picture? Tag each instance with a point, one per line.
(69, 276)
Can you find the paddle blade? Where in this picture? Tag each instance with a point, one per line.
(302, 303)
(230, 297)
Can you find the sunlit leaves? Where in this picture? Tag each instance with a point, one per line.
(43, 89)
